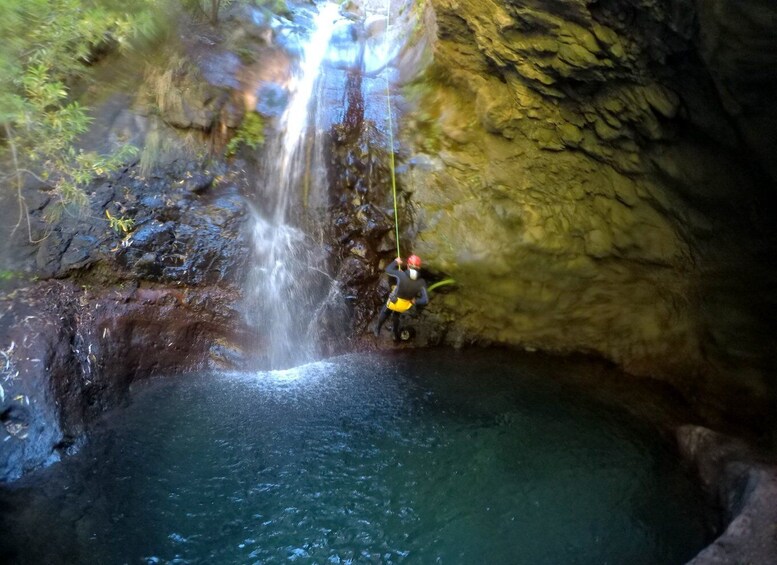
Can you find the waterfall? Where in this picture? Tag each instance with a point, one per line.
(292, 297)
(288, 282)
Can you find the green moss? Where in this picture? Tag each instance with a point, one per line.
(419, 9)
(424, 122)
(250, 133)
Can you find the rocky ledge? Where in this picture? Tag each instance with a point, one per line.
(113, 302)
(744, 485)
(73, 353)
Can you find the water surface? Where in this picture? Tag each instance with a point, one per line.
(411, 457)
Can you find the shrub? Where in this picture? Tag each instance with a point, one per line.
(250, 133)
(47, 45)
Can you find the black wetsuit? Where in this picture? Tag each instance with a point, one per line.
(407, 289)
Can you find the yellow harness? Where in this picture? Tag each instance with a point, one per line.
(401, 305)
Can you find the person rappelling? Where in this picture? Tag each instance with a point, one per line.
(407, 294)
(410, 292)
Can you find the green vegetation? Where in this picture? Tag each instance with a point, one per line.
(48, 45)
(250, 133)
(121, 225)
(275, 6)
(48, 50)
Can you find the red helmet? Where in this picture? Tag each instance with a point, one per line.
(414, 262)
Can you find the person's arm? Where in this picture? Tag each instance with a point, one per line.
(394, 267)
(393, 270)
(422, 300)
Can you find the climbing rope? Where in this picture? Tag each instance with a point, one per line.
(391, 138)
(391, 157)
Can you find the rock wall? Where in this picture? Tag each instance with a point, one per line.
(739, 47)
(574, 167)
(71, 353)
(114, 307)
(744, 486)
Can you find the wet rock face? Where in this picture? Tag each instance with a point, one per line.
(361, 222)
(183, 231)
(72, 353)
(158, 298)
(739, 46)
(574, 168)
(744, 486)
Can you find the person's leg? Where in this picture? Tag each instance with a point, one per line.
(395, 326)
(382, 319)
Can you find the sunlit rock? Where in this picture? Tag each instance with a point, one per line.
(586, 159)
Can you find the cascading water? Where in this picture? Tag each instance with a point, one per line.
(288, 281)
(289, 286)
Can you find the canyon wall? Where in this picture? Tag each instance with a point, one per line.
(596, 177)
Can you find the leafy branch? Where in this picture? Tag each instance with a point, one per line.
(121, 225)
(250, 133)
(49, 45)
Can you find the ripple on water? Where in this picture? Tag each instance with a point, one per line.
(417, 458)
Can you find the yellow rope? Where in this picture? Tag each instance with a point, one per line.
(391, 137)
(391, 156)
